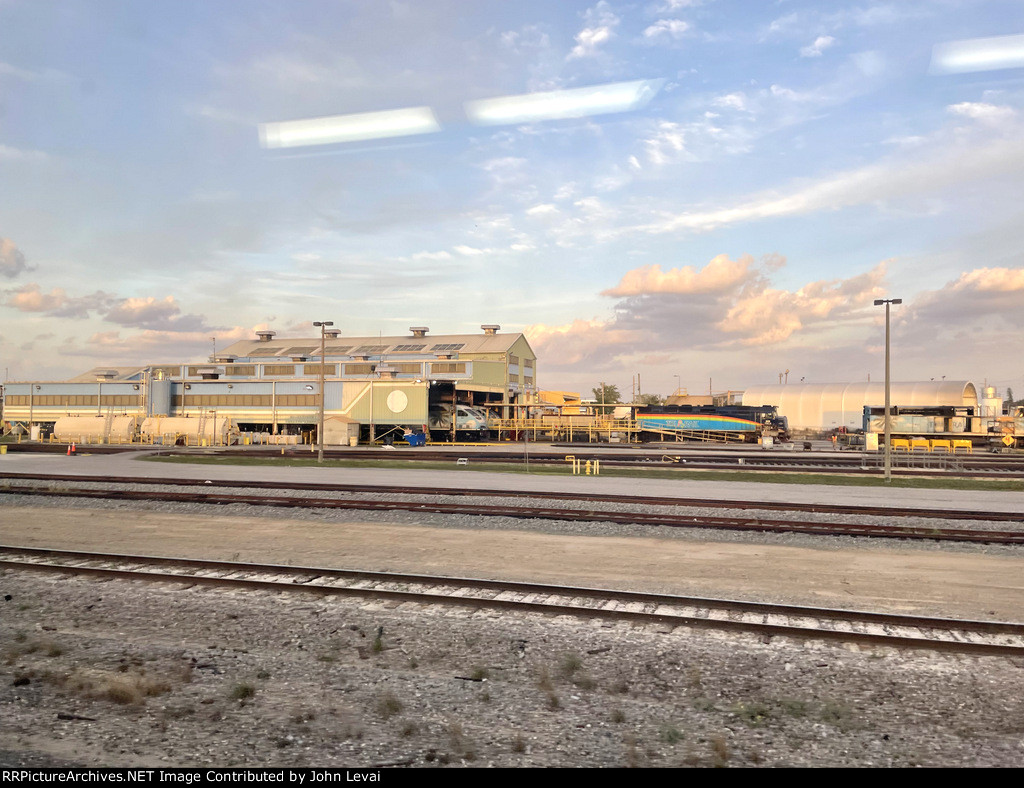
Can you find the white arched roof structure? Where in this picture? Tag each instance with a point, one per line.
(819, 406)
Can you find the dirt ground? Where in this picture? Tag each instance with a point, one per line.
(928, 582)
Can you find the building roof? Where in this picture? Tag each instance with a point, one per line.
(103, 374)
(429, 345)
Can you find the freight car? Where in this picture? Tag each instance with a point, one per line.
(745, 422)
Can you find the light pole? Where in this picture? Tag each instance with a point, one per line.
(320, 430)
(888, 422)
(679, 384)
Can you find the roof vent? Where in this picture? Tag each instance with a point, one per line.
(419, 331)
(332, 333)
(491, 329)
(386, 372)
(266, 336)
(229, 359)
(106, 374)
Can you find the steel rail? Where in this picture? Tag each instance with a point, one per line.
(817, 623)
(535, 513)
(717, 503)
(999, 468)
(980, 466)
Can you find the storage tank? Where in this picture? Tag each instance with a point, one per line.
(95, 429)
(991, 403)
(188, 430)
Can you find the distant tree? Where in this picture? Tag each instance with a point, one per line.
(605, 393)
(651, 399)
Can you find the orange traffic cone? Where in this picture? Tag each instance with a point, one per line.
(71, 451)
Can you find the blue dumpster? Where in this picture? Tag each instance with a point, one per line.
(416, 440)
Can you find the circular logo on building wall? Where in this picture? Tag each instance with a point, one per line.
(397, 401)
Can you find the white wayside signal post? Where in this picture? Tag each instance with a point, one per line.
(320, 429)
(888, 422)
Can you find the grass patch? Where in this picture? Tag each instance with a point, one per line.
(388, 705)
(569, 664)
(719, 752)
(793, 708)
(125, 689)
(24, 646)
(559, 469)
(837, 715)
(243, 690)
(753, 714)
(671, 734)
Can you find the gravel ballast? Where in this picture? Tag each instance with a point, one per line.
(127, 674)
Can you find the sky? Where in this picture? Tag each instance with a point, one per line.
(781, 166)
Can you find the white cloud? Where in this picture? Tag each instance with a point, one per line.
(944, 169)
(821, 43)
(667, 144)
(470, 251)
(667, 28)
(21, 154)
(542, 210)
(731, 101)
(986, 113)
(442, 255)
(600, 23)
(675, 5)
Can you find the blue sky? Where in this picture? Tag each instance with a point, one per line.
(796, 161)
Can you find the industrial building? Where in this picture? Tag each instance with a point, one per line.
(827, 406)
(271, 384)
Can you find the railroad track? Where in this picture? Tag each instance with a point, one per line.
(758, 524)
(853, 462)
(863, 628)
(639, 500)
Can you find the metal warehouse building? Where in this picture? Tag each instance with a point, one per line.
(827, 406)
(272, 384)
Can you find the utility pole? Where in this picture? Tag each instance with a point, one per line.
(888, 421)
(323, 346)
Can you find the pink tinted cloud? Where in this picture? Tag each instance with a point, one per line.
(992, 280)
(720, 275)
(767, 316)
(153, 345)
(56, 303)
(12, 261)
(144, 312)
